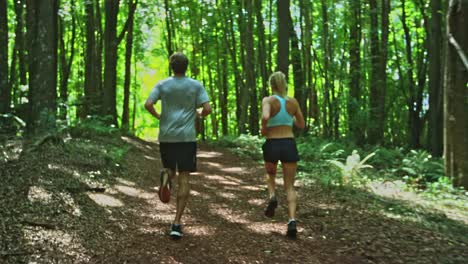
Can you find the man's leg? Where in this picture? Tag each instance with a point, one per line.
(182, 195)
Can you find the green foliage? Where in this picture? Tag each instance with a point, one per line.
(419, 168)
(93, 126)
(244, 145)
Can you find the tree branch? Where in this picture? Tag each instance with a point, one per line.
(457, 47)
(127, 23)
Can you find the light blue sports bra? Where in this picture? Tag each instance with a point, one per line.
(282, 118)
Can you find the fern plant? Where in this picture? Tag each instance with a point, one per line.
(353, 165)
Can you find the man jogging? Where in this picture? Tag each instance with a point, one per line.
(180, 97)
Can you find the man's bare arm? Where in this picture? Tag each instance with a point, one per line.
(149, 105)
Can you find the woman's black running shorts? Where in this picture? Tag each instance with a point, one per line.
(280, 149)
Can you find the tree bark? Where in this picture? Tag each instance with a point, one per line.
(244, 89)
(326, 111)
(298, 72)
(43, 37)
(65, 64)
(456, 96)
(262, 49)
(251, 81)
(435, 127)
(355, 122)
(283, 36)
(378, 71)
(110, 60)
(128, 63)
(5, 88)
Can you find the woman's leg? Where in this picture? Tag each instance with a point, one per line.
(270, 177)
(289, 175)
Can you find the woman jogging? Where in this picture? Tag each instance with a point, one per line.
(279, 114)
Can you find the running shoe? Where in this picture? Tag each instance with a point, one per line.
(270, 210)
(292, 230)
(165, 187)
(176, 231)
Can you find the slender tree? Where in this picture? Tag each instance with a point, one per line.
(5, 91)
(435, 127)
(355, 126)
(250, 69)
(283, 36)
(128, 62)
(110, 60)
(66, 63)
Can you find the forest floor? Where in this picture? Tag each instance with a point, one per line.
(94, 200)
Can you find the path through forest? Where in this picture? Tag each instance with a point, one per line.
(223, 222)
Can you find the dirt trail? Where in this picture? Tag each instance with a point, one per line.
(224, 221)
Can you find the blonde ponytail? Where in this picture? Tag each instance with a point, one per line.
(278, 83)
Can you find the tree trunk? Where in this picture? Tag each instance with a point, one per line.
(378, 71)
(65, 64)
(355, 120)
(250, 70)
(455, 95)
(412, 114)
(43, 37)
(262, 49)
(435, 127)
(326, 120)
(110, 60)
(92, 96)
(298, 73)
(5, 88)
(244, 89)
(283, 36)
(128, 63)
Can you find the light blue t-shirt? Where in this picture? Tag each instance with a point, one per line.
(180, 96)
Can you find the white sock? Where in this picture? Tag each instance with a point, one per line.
(290, 220)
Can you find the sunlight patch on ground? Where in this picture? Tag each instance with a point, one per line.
(227, 213)
(212, 164)
(201, 195)
(135, 143)
(256, 201)
(126, 182)
(105, 200)
(222, 180)
(233, 179)
(201, 230)
(227, 195)
(39, 194)
(60, 168)
(54, 243)
(134, 192)
(266, 228)
(70, 202)
(234, 170)
(251, 187)
(150, 158)
(211, 154)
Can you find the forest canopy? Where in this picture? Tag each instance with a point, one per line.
(373, 72)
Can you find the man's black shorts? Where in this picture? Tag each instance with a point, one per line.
(180, 155)
(283, 149)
